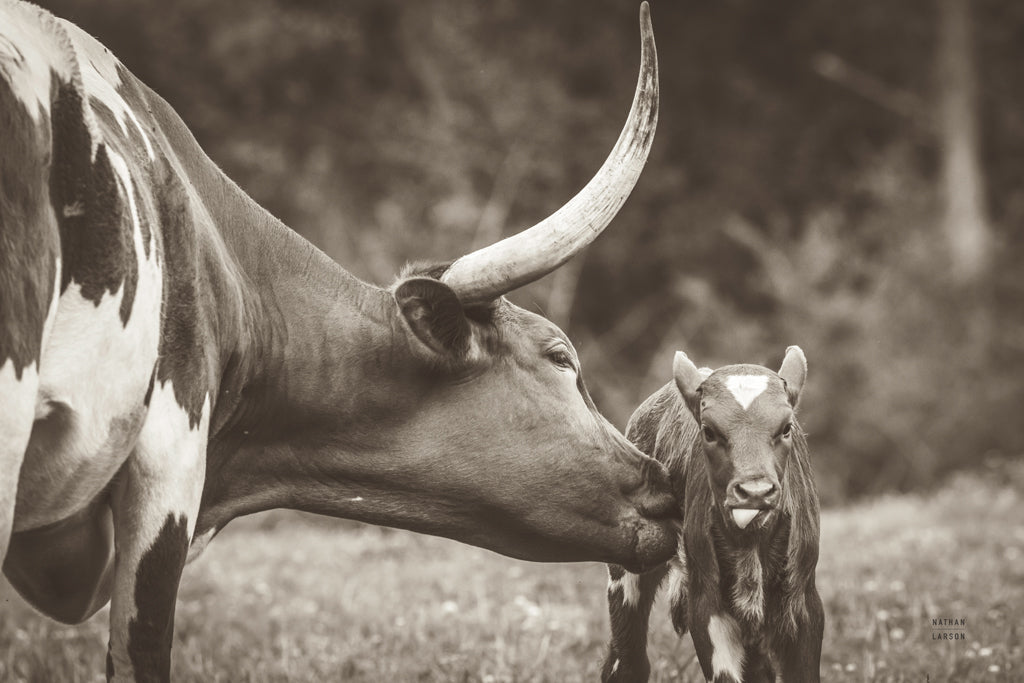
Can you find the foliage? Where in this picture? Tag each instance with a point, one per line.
(785, 202)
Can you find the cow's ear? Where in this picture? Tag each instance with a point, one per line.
(435, 315)
(794, 373)
(688, 380)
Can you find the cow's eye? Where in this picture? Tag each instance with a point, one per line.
(787, 431)
(561, 357)
(709, 434)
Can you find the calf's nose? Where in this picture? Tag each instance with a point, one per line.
(756, 492)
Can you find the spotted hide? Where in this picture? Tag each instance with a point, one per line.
(104, 370)
(743, 581)
(173, 357)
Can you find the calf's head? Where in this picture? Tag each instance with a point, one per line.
(748, 433)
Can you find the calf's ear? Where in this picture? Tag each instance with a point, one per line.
(435, 316)
(794, 373)
(688, 380)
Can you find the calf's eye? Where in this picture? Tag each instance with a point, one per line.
(787, 431)
(709, 433)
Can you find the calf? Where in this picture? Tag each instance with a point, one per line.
(743, 581)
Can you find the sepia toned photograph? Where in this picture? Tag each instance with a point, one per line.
(511, 341)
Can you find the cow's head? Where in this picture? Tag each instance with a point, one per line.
(499, 443)
(748, 433)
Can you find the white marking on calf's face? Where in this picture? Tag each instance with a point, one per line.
(746, 388)
(726, 646)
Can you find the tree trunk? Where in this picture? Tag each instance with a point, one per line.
(965, 222)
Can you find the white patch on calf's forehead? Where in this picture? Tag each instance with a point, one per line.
(726, 646)
(745, 388)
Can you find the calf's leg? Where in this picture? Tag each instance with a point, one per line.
(800, 658)
(630, 597)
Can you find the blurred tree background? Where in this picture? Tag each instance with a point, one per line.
(842, 176)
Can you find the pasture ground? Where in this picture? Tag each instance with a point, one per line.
(287, 597)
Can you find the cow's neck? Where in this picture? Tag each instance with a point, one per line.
(307, 356)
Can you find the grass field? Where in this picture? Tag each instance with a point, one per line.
(285, 597)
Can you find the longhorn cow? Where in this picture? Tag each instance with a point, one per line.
(173, 357)
(743, 581)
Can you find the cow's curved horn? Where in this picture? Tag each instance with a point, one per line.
(487, 273)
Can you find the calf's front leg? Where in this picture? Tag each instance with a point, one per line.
(630, 597)
(800, 658)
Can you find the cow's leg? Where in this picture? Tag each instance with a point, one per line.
(800, 658)
(155, 508)
(630, 597)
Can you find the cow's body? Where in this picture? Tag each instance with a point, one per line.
(172, 357)
(743, 581)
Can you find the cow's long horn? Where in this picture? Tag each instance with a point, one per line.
(487, 273)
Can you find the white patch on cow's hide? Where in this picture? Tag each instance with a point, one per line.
(726, 646)
(745, 388)
(30, 47)
(629, 584)
(17, 398)
(163, 478)
(42, 408)
(171, 458)
(748, 591)
(97, 370)
(100, 79)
